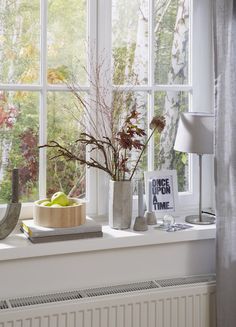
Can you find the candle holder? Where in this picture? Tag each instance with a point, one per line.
(151, 218)
(140, 223)
(150, 214)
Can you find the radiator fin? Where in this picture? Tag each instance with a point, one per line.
(3, 305)
(120, 289)
(185, 281)
(42, 299)
(101, 291)
(159, 307)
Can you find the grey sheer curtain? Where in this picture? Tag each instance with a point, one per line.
(225, 159)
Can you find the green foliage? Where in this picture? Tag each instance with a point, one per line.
(123, 67)
(19, 63)
(178, 160)
(67, 37)
(25, 121)
(66, 176)
(125, 41)
(164, 41)
(19, 51)
(5, 190)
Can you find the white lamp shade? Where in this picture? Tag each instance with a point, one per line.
(195, 133)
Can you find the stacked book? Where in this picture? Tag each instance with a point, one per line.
(39, 234)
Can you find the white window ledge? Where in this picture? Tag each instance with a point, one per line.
(16, 246)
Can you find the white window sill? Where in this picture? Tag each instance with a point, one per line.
(16, 246)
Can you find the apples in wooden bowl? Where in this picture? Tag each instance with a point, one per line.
(59, 211)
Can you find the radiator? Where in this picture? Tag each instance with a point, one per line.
(178, 302)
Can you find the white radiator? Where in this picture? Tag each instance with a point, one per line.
(179, 302)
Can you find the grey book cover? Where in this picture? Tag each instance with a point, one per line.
(65, 237)
(34, 230)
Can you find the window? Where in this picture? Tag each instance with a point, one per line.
(41, 43)
(151, 42)
(152, 48)
(163, 49)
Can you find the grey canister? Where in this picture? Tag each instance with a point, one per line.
(120, 204)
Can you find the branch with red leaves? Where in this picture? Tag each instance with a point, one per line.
(124, 140)
(113, 130)
(68, 155)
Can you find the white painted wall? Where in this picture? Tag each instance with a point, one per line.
(68, 271)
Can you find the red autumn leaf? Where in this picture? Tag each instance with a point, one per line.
(158, 122)
(123, 164)
(137, 144)
(125, 140)
(140, 131)
(3, 116)
(133, 115)
(29, 142)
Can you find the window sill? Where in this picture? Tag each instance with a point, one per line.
(16, 246)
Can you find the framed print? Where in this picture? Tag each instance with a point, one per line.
(161, 191)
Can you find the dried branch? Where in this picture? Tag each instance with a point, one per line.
(111, 126)
(68, 155)
(157, 124)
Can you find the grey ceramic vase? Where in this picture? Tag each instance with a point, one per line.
(120, 204)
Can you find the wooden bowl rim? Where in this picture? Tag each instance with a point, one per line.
(80, 201)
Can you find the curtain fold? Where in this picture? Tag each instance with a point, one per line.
(225, 159)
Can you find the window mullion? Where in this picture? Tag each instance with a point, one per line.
(43, 99)
(122, 88)
(104, 49)
(173, 87)
(65, 88)
(92, 27)
(151, 83)
(190, 53)
(153, 87)
(20, 87)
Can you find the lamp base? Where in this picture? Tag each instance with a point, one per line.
(194, 219)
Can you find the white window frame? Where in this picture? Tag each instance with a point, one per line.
(200, 88)
(43, 88)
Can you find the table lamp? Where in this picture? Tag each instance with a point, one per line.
(195, 135)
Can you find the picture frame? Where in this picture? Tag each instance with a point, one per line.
(164, 187)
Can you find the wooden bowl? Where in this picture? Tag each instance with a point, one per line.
(70, 216)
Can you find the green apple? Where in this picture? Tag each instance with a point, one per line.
(56, 205)
(46, 203)
(60, 198)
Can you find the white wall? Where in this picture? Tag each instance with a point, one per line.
(85, 269)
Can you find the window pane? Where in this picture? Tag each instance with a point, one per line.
(18, 143)
(171, 41)
(19, 41)
(64, 127)
(67, 40)
(130, 41)
(170, 104)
